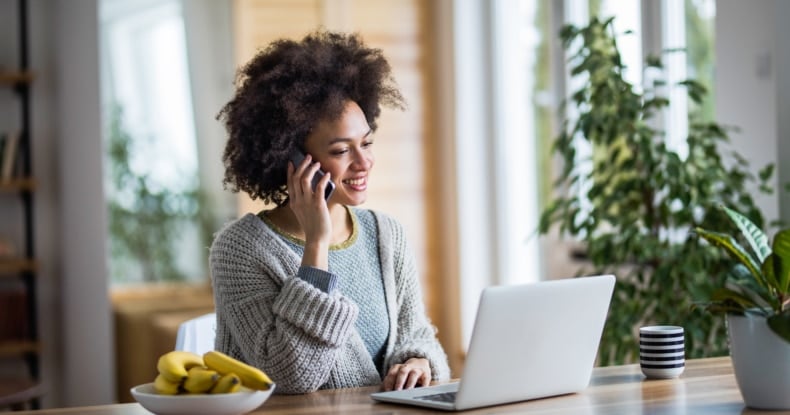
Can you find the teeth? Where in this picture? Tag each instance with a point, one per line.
(354, 182)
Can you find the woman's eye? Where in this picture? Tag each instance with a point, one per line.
(367, 144)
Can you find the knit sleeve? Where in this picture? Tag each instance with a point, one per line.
(416, 335)
(269, 318)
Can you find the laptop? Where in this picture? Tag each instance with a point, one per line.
(529, 341)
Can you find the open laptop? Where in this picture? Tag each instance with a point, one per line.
(529, 341)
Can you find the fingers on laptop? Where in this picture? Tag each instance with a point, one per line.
(408, 375)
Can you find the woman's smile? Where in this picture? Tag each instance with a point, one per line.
(358, 184)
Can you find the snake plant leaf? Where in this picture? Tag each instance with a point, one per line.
(780, 324)
(735, 250)
(781, 248)
(754, 235)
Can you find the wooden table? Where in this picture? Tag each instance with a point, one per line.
(706, 387)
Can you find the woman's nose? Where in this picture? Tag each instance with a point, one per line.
(363, 160)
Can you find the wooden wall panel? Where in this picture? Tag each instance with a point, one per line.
(258, 22)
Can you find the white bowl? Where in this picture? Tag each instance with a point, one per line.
(201, 404)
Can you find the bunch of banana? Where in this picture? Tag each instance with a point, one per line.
(214, 372)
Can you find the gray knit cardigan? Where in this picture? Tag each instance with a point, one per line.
(302, 337)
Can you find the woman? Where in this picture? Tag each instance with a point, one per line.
(317, 292)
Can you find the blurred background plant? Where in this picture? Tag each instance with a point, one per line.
(151, 223)
(632, 202)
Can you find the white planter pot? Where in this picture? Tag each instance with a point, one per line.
(761, 360)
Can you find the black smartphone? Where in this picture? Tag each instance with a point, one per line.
(297, 157)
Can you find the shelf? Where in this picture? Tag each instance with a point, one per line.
(20, 334)
(22, 184)
(16, 348)
(15, 78)
(10, 266)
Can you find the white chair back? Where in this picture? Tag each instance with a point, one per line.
(197, 335)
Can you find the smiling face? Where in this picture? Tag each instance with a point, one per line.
(344, 149)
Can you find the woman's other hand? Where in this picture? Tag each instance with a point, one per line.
(414, 372)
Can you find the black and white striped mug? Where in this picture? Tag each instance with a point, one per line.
(662, 351)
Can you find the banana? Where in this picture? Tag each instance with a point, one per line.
(164, 386)
(251, 377)
(200, 379)
(174, 365)
(227, 384)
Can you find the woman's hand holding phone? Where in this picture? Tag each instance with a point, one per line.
(297, 157)
(310, 208)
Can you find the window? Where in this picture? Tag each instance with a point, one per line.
(509, 83)
(152, 185)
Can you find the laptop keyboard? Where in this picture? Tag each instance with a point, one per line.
(438, 397)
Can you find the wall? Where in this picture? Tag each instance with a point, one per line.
(782, 53)
(87, 368)
(746, 85)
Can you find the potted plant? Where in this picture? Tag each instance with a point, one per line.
(756, 301)
(629, 210)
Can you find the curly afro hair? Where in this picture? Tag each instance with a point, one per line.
(284, 91)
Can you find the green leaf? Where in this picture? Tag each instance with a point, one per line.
(766, 172)
(657, 102)
(741, 276)
(608, 21)
(769, 273)
(723, 294)
(781, 248)
(653, 61)
(780, 324)
(674, 50)
(754, 235)
(769, 270)
(735, 250)
(726, 300)
(567, 33)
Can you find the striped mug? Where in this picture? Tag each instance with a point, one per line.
(662, 351)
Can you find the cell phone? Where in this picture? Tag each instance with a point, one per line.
(297, 157)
